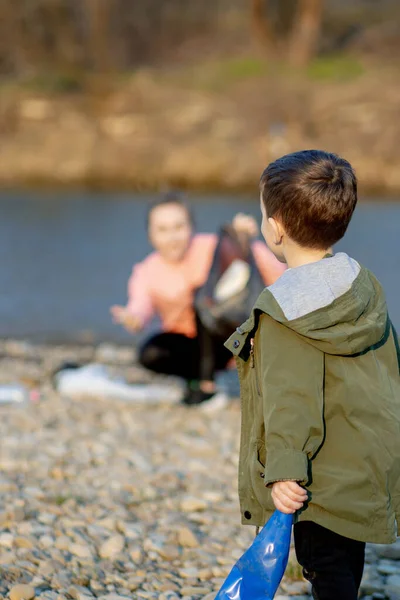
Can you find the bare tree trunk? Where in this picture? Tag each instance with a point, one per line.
(10, 49)
(99, 39)
(24, 50)
(306, 31)
(261, 25)
(99, 84)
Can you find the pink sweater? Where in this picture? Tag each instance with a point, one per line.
(157, 286)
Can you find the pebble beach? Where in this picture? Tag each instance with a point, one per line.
(110, 500)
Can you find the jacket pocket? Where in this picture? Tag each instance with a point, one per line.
(257, 466)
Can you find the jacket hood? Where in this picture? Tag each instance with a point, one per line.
(337, 305)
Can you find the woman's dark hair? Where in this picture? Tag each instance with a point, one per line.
(171, 197)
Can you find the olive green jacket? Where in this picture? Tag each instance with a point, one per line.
(321, 405)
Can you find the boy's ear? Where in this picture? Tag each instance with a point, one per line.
(277, 229)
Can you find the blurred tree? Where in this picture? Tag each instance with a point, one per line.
(288, 29)
(39, 35)
(66, 40)
(306, 32)
(262, 24)
(99, 45)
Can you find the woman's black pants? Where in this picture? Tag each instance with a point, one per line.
(190, 358)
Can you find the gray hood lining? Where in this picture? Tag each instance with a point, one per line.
(308, 288)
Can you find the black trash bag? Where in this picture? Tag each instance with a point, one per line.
(221, 317)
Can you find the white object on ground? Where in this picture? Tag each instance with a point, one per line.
(233, 281)
(94, 380)
(13, 393)
(217, 402)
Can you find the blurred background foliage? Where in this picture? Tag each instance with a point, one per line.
(58, 43)
(145, 93)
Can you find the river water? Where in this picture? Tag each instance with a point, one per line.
(66, 257)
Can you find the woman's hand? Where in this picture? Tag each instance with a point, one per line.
(288, 496)
(245, 225)
(123, 317)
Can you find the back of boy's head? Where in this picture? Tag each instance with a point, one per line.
(313, 194)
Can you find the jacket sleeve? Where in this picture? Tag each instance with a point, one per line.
(139, 297)
(293, 402)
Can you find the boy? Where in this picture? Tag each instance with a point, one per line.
(319, 371)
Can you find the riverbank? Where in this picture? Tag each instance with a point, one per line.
(212, 126)
(114, 501)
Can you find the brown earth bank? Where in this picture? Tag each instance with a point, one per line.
(199, 129)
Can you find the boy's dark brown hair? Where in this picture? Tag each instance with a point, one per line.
(313, 194)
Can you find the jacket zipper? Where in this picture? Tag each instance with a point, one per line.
(253, 365)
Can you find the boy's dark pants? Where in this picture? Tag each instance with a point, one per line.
(332, 563)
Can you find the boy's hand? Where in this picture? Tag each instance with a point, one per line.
(245, 224)
(288, 496)
(123, 317)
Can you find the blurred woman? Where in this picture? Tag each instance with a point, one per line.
(164, 283)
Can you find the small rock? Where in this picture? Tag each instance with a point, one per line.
(296, 588)
(108, 523)
(46, 569)
(194, 591)
(169, 595)
(191, 504)
(97, 587)
(80, 550)
(224, 560)
(112, 547)
(61, 580)
(205, 574)
(392, 587)
(79, 593)
(371, 581)
(188, 572)
(392, 551)
(187, 538)
(46, 541)
(81, 579)
(23, 542)
(22, 592)
(111, 354)
(18, 514)
(47, 518)
(6, 540)
(370, 554)
(136, 555)
(387, 567)
(63, 542)
(169, 552)
(114, 597)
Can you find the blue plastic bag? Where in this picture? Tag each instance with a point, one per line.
(258, 573)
